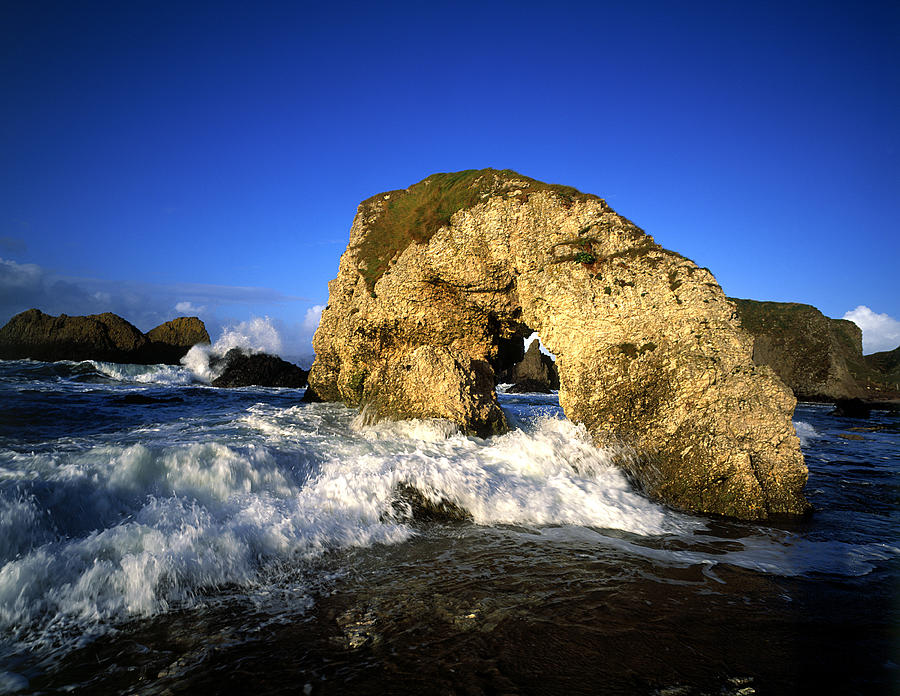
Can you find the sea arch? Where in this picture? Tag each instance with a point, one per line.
(438, 278)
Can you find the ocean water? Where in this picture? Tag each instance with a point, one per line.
(158, 536)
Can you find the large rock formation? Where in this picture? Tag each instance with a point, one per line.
(810, 352)
(651, 356)
(108, 337)
(887, 365)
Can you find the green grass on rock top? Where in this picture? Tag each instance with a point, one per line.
(415, 214)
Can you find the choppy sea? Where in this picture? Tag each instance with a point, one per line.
(159, 536)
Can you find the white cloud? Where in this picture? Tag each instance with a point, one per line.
(312, 318)
(880, 331)
(189, 308)
(20, 276)
(27, 285)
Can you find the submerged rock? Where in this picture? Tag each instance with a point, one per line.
(144, 400)
(437, 278)
(258, 369)
(410, 503)
(106, 337)
(851, 408)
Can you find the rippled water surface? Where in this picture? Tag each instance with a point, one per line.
(161, 536)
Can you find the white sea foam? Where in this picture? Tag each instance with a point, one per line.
(95, 532)
(161, 525)
(805, 432)
(552, 474)
(115, 531)
(257, 335)
(169, 375)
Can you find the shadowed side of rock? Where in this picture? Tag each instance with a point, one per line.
(106, 337)
(439, 277)
(878, 375)
(810, 352)
(169, 342)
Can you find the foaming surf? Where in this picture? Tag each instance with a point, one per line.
(258, 335)
(109, 532)
(117, 514)
(805, 432)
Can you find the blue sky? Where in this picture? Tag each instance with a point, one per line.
(210, 156)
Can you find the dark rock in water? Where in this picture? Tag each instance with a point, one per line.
(851, 408)
(260, 370)
(169, 342)
(107, 337)
(411, 504)
(39, 336)
(310, 396)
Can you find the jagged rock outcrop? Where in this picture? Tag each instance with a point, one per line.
(536, 372)
(650, 354)
(257, 369)
(107, 337)
(809, 351)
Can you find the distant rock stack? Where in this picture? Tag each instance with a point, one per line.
(536, 372)
(106, 337)
(809, 351)
(169, 342)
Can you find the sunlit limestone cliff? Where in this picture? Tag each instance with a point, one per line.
(439, 277)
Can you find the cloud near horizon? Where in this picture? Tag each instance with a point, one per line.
(880, 331)
(27, 285)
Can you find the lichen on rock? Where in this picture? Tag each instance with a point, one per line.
(438, 278)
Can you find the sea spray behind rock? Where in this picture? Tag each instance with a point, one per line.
(258, 335)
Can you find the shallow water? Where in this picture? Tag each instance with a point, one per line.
(158, 535)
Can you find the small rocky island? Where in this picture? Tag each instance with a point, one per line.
(439, 279)
(107, 337)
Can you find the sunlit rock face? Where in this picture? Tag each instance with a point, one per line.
(651, 358)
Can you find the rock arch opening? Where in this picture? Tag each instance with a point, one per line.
(648, 348)
(523, 364)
